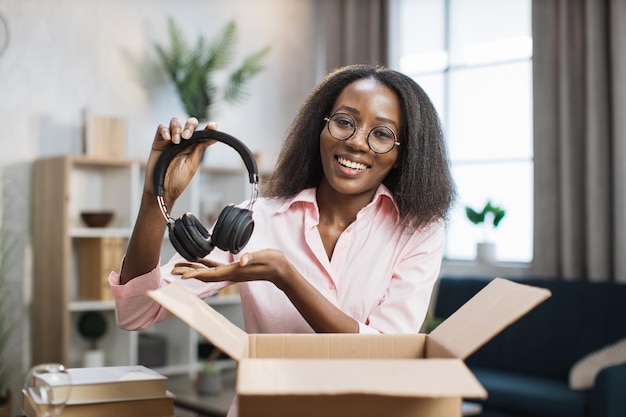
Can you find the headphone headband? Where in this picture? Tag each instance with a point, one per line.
(234, 225)
(199, 136)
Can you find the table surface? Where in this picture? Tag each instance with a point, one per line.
(188, 398)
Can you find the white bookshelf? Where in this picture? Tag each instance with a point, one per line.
(65, 186)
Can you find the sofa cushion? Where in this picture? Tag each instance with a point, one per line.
(579, 318)
(584, 372)
(518, 394)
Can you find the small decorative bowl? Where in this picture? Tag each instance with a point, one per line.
(97, 218)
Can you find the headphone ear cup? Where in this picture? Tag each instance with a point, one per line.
(176, 242)
(233, 229)
(190, 238)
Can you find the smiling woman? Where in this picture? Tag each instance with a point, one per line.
(363, 186)
(352, 167)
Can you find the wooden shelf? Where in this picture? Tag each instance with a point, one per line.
(90, 305)
(62, 188)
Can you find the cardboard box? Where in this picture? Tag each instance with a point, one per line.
(324, 375)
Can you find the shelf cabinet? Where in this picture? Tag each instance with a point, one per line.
(65, 186)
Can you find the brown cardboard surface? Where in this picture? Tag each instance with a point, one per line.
(421, 378)
(327, 375)
(353, 405)
(229, 338)
(485, 315)
(337, 346)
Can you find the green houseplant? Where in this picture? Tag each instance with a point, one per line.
(194, 70)
(489, 217)
(8, 361)
(92, 325)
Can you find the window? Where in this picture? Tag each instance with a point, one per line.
(474, 59)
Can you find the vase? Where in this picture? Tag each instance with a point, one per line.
(93, 358)
(486, 253)
(209, 384)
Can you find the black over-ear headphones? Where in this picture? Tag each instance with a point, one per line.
(234, 225)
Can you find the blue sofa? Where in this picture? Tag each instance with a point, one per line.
(525, 368)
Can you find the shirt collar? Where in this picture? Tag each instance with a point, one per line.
(307, 195)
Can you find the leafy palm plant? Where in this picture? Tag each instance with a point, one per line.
(8, 363)
(489, 215)
(193, 69)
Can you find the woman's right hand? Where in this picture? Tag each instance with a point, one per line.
(144, 247)
(184, 165)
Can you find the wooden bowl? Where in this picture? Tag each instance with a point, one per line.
(97, 218)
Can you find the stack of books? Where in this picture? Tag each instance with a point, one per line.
(118, 391)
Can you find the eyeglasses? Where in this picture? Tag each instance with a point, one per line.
(342, 126)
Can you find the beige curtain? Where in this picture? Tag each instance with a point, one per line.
(580, 139)
(353, 32)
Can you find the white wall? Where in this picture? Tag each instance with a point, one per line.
(68, 55)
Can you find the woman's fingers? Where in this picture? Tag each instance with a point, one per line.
(164, 132)
(181, 270)
(178, 132)
(209, 263)
(246, 259)
(176, 129)
(203, 267)
(190, 126)
(217, 272)
(181, 267)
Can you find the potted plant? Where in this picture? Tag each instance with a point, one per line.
(8, 361)
(209, 381)
(92, 325)
(430, 323)
(193, 70)
(489, 217)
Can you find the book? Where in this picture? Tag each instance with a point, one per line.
(111, 383)
(105, 136)
(98, 256)
(142, 407)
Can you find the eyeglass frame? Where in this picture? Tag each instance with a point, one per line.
(395, 137)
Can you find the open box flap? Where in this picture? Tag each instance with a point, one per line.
(490, 311)
(201, 317)
(423, 378)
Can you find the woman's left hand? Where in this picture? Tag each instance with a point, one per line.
(272, 265)
(264, 265)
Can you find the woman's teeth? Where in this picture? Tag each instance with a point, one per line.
(351, 164)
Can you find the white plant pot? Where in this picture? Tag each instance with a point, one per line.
(93, 358)
(486, 253)
(209, 384)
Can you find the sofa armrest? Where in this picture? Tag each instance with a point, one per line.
(607, 397)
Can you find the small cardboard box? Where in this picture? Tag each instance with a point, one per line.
(339, 375)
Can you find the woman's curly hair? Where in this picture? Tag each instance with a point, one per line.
(422, 185)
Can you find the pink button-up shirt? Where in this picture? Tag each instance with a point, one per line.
(380, 273)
